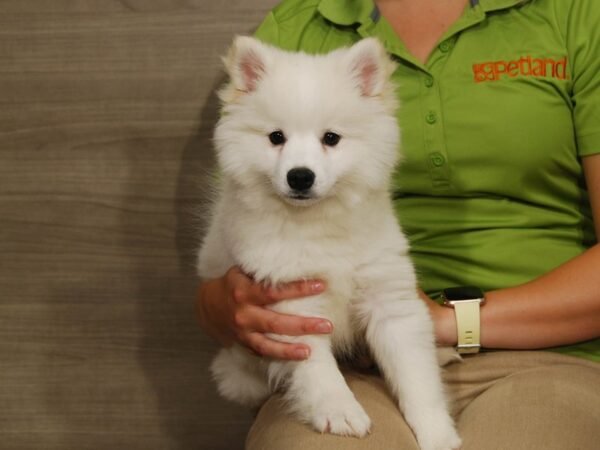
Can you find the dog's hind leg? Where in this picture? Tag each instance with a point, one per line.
(240, 376)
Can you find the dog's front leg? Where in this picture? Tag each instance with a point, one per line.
(401, 336)
(318, 394)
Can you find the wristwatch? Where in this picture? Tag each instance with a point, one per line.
(466, 301)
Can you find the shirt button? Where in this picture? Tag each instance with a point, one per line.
(431, 118)
(445, 46)
(428, 81)
(437, 159)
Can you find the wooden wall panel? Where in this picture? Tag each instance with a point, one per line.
(106, 113)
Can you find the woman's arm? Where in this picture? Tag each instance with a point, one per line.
(559, 308)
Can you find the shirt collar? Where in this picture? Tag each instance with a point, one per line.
(494, 5)
(347, 12)
(350, 12)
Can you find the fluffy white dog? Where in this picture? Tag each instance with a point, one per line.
(306, 146)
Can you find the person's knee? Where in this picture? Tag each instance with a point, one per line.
(554, 407)
(276, 429)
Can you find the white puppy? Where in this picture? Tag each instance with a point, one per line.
(306, 146)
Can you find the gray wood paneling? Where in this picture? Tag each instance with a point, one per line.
(106, 113)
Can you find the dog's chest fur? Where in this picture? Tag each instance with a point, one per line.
(279, 246)
(282, 245)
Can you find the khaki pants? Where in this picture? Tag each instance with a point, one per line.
(501, 401)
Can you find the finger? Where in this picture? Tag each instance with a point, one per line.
(239, 285)
(286, 291)
(269, 348)
(245, 290)
(266, 321)
(235, 274)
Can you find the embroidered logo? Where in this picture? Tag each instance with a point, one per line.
(525, 66)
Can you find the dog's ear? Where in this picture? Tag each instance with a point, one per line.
(369, 66)
(246, 62)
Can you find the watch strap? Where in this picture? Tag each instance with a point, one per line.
(467, 325)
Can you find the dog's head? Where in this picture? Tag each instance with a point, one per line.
(305, 128)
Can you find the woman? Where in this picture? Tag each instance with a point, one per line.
(499, 188)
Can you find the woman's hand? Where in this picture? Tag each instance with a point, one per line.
(232, 309)
(443, 320)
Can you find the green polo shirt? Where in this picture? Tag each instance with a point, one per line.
(491, 189)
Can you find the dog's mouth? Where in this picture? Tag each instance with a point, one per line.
(300, 196)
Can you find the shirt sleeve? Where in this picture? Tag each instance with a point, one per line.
(583, 45)
(268, 30)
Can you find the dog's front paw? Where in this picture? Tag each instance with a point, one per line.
(434, 429)
(341, 416)
(440, 438)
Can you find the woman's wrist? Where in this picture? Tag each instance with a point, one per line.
(445, 326)
(443, 319)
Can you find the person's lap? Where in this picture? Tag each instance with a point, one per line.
(516, 400)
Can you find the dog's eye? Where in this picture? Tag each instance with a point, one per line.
(331, 139)
(277, 137)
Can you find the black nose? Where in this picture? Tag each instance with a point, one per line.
(301, 178)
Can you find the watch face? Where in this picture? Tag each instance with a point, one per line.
(462, 293)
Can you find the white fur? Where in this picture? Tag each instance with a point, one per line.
(346, 234)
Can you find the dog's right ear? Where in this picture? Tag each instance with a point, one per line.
(246, 62)
(369, 66)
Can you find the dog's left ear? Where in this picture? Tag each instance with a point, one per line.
(246, 62)
(369, 66)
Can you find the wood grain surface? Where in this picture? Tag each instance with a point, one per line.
(106, 113)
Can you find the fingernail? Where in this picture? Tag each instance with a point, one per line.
(300, 353)
(324, 327)
(317, 286)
